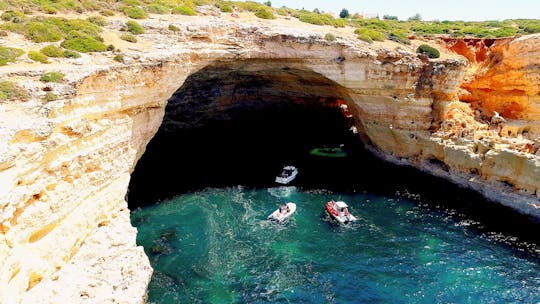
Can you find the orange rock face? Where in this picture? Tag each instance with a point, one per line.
(508, 80)
(476, 50)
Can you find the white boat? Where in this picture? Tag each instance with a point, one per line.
(338, 210)
(283, 212)
(287, 175)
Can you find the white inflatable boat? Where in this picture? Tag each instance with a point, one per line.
(338, 210)
(283, 213)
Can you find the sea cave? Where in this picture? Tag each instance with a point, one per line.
(225, 135)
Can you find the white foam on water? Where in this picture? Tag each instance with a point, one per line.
(282, 192)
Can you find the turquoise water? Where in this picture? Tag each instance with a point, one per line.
(216, 246)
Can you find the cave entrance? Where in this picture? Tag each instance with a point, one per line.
(239, 124)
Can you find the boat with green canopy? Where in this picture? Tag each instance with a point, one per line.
(334, 152)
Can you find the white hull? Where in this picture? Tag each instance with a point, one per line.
(279, 217)
(344, 219)
(286, 177)
(285, 180)
(331, 208)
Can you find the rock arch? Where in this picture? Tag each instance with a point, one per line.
(64, 172)
(96, 137)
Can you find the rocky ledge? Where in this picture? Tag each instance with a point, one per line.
(65, 164)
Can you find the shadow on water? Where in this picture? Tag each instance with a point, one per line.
(252, 148)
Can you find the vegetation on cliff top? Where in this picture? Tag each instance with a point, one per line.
(16, 11)
(128, 38)
(429, 51)
(134, 28)
(38, 57)
(83, 35)
(8, 54)
(11, 91)
(52, 77)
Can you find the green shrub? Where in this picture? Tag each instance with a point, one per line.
(330, 37)
(226, 8)
(174, 28)
(344, 13)
(110, 47)
(415, 17)
(369, 35)
(8, 54)
(14, 27)
(97, 20)
(134, 28)
(82, 42)
(390, 17)
(184, 10)
(89, 5)
(431, 52)
(528, 26)
(282, 11)
(428, 28)
(71, 54)
(47, 9)
(319, 19)
(265, 13)
(11, 91)
(365, 37)
(107, 13)
(134, 12)
(80, 25)
(63, 27)
(52, 77)
(52, 51)
(249, 6)
(13, 16)
(504, 32)
(156, 8)
(50, 97)
(128, 37)
(36, 56)
(202, 2)
(42, 32)
(131, 2)
(51, 29)
(119, 58)
(399, 36)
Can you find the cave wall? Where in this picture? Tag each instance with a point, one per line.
(65, 166)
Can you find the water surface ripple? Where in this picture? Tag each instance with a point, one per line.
(215, 246)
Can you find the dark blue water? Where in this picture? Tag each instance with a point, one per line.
(216, 246)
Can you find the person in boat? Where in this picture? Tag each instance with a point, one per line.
(343, 212)
(283, 208)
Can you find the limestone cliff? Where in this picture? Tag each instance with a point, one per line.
(507, 82)
(65, 164)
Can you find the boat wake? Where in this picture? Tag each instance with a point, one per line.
(282, 192)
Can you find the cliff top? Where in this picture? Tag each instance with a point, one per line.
(46, 52)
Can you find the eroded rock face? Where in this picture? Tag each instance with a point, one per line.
(476, 50)
(65, 165)
(507, 82)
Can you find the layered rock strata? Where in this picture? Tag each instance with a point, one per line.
(65, 165)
